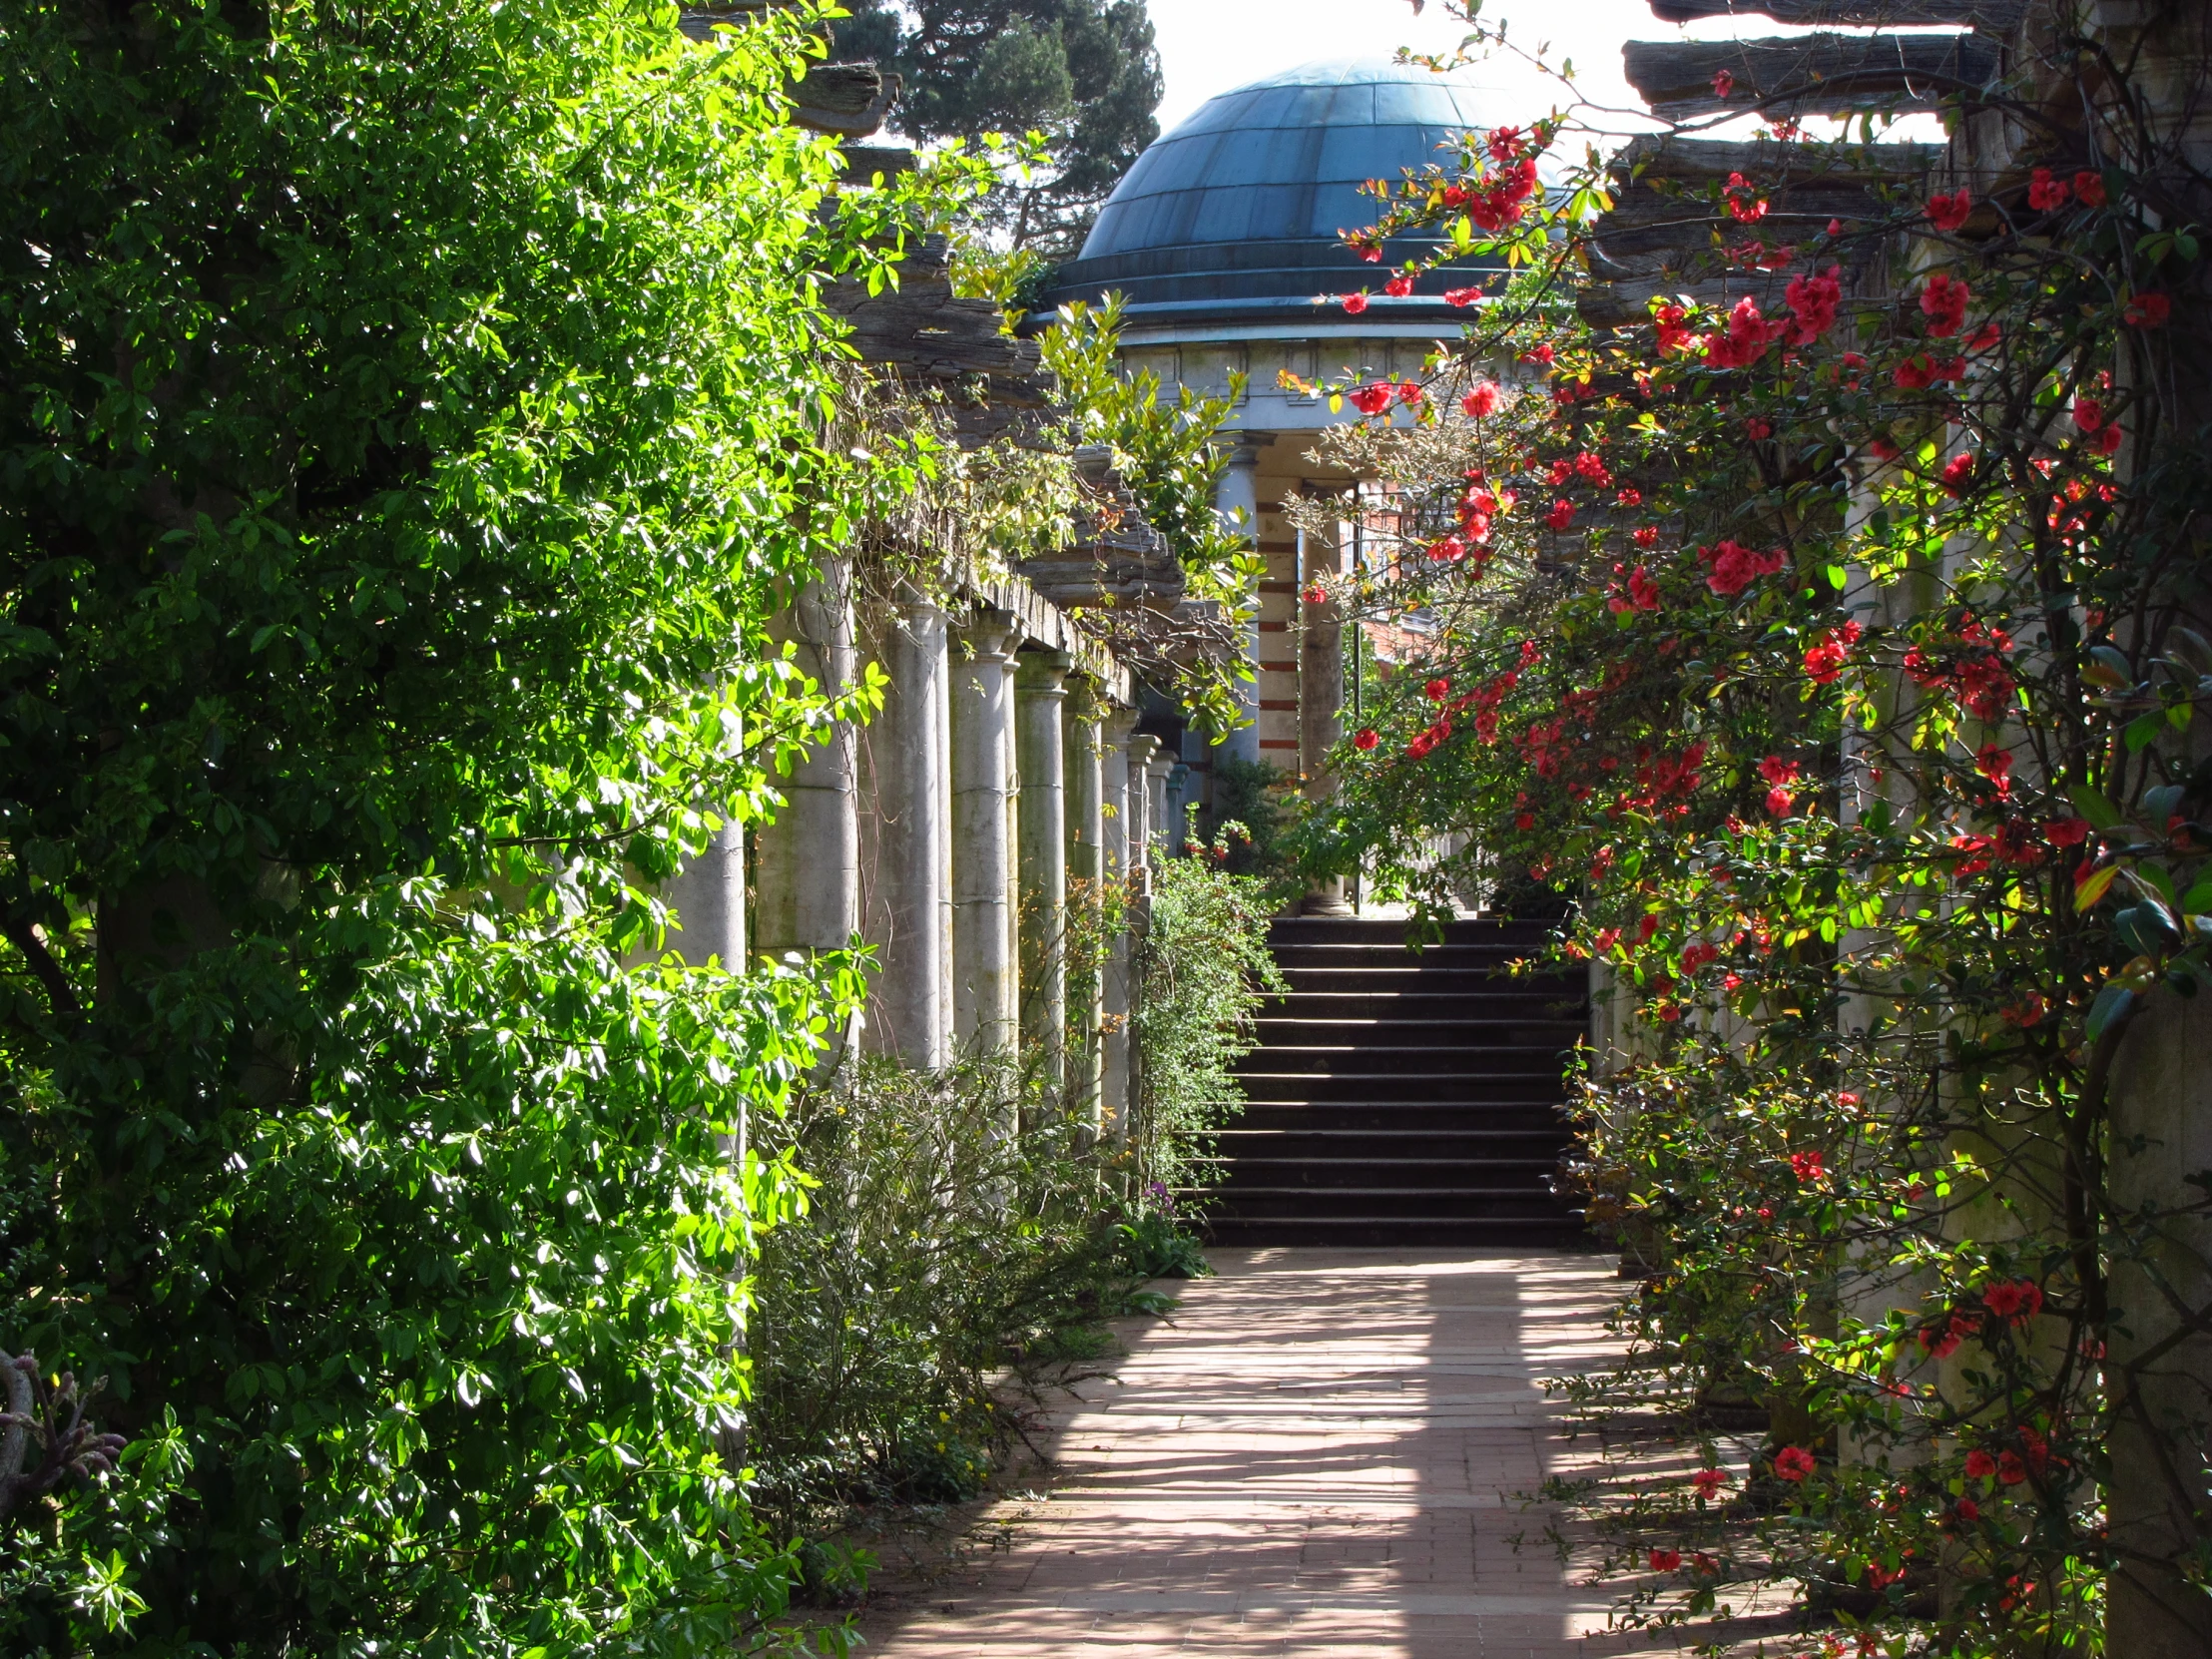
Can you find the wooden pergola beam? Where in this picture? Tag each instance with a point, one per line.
(1807, 74)
(1989, 16)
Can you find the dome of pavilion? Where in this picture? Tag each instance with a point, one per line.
(1235, 215)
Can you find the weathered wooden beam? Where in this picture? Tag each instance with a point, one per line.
(1989, 16)
(1807, 74)
(1663, 237)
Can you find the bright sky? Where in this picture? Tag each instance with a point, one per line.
(1210, 46)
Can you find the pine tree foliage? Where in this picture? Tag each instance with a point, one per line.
(1083, 72)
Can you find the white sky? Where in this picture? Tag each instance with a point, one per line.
(1210, 46)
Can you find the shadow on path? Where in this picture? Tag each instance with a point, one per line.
(1320, 1455)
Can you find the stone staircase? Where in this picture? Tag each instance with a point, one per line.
(1403, 1098)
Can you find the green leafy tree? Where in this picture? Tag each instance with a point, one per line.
(411, 414)
(1081, 72)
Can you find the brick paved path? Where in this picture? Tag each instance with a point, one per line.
(1320, 1455)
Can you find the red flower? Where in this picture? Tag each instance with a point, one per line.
(1734, 568)
(2107, 442)
(1561, 515)
(1643, 592)
(1980, 1465)
(1808, 1167)
(2089, 413)
(2010, 1470)
(1461, 297)
(2044, 192)
(1967, 1509)
(1543, 355)
(1724, 83)
(1995, 764)
(1314, 594)
(1355, 302)
(1758, 430)
(1646, 535)
(2020, 1299)
(1814, 299)
(1883, 450)
(1746, 338)
(1665, 1560)
(2067, 832)
(1372, 399)
(1367, 740)
(1448, 550)
(2148, 310)
(1437, 690)
(1949, 214)
(1398, 287)
(1482, 400)
(1745, 204)
(1959, 472)
(1944, 300)
(1629, 496)
(1825, 659)
(2089, 187)
(1410, 394)
(1593, 468)
(1709, 1482)
(1794, 1463)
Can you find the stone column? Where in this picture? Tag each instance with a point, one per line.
(904, 919)
(1237, 501)
(708, 896)
(809, 877)
(1124, 803)
(984, 982)
(1167, 834)
(1086, 868)
(1320, 695)
(1040, 702)
(2159, 1373)
(1142, 813)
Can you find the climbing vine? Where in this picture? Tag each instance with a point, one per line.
(1837, 645)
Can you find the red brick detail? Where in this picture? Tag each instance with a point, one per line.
(1279, 705)
(1279, 743)
(1278, 668)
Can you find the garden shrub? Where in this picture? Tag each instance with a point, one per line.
(1202, 970)
(412, 411)
(941, 1245)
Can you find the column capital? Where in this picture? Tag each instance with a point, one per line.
(914, 604)
(990, 635)
(1117, 724)
(1043, 673)
(1142, 748)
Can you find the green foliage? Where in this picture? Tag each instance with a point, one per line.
(411, 413)
(957, 1226)
(1201, 972)
(1170, 456)
(1250, 814)
(1081, 73)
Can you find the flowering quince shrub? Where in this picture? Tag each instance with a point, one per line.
(1840, 674)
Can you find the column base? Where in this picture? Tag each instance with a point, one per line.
(1328, 900)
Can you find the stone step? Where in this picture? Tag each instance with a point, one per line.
(1399, 1232)
(1358, 1088)
(1373, 1116)
(1434, 981)
(1476, 1035)
(1527, 1197)
(1267, 1145)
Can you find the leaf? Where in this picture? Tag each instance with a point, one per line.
(2106, 667)
(2093, 887)
(2112, 1003)
(1836, 577)
(2143, 730)
(2100, 812)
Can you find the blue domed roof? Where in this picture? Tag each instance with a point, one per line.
(1238, 210)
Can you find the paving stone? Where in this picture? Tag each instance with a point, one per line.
(1323, 1453)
